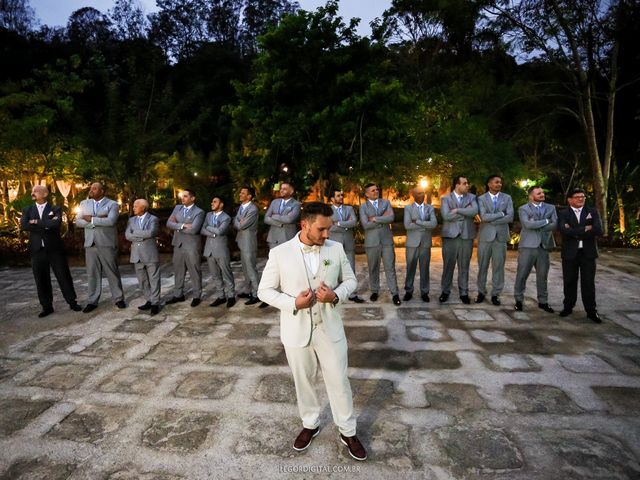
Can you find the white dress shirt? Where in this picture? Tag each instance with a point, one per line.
(311, 256)
(578, 212)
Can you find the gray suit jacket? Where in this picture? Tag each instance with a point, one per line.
(461, 222)
(217, 244)
(495, 222)
(189, 238)
(283, 225)
(343, 226)
(246, 224)
(419, 230)
(537, 227)
(378, 232)
(143, 239)
(102, 230)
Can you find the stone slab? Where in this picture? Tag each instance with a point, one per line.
(179, 431)
(212, 385)
(541, 399)
(17, 413)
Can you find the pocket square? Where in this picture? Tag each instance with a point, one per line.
(588, 216)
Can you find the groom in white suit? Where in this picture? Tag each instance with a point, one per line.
(307, 278)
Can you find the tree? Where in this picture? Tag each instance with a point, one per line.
(579, 38)
(320, 104)
(88, 26)
(17, 16)
(128, 20)
(180, 27)
(259, 16)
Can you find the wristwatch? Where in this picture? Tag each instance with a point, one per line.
(335, 300)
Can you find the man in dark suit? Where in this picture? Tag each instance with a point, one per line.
(579, 226)
(42, 220)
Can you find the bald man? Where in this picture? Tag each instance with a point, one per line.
(42, 220)
(98, 218)
(142, 232)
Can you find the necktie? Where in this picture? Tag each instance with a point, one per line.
(140, 222)
(281, 209)
(40, 210)
(311, 248)
(421, 212)
(186, 212)
(339, 209)
(375, 206)
(215, 219)
(459, 199)
(495, 202)
(96, 206)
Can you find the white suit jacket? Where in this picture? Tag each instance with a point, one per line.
(285, 276)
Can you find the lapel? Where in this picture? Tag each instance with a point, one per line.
(322, 268)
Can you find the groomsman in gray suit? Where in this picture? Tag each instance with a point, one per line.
(142, 232)
(98, 218)
(376, 216)
(419, 221)
(496, 213)
(458, 231)
(344, 222)
(282, 217)
(216, 251)
(246, 224)
(538, 220)
(186, 221)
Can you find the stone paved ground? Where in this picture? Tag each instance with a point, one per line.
(442, 392)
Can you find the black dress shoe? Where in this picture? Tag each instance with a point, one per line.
(195, 302)
(252, 301)
(121, 304)
(263, 305)
(480, 298)
(593, 316)
(443, 297)
(231, 301)
(425, 297)
(155, 309)
(45, 311)
(218, 301)
(396, 299)
(175, 300)
(465, 299)
(303, 440)
(356, 299)
(373, 297)
(566, 312)
(545, 307)
(407, 296)
(495, 300)
(146, 306)
(518, 306)
(75, 307)
(244, 295)
(89, 307)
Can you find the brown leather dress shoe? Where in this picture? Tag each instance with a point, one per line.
(303, 440)
(356, 450)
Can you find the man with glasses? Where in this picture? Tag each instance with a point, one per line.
(580, 226)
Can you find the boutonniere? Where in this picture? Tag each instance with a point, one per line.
(326, 262)
(588, 216)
